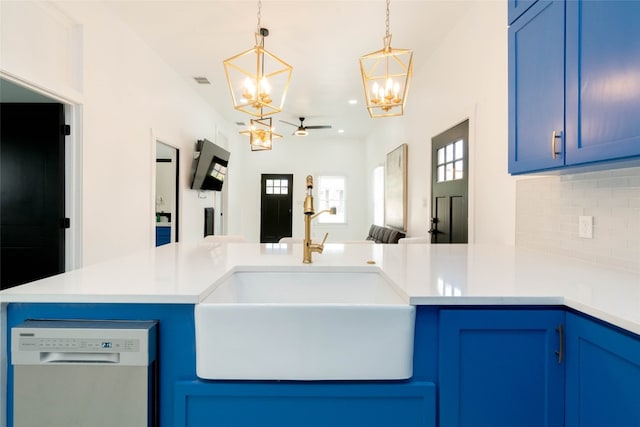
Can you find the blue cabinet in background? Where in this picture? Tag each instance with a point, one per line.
(603, 375)
(500, 368)
(163, 235)
(574, 85)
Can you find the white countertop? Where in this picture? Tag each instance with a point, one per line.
(424, 274)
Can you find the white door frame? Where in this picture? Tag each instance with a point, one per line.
(73, 169)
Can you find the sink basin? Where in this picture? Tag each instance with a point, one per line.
(304, 325)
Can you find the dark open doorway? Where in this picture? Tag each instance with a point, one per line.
(449, 185)
(32, 205)
(276, 203)
(167, 194)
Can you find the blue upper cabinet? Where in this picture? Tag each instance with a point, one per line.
(536, 88)
(517, 8)
(574, 84)
(603, 81)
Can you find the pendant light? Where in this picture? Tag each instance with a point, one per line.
(258, 80)
(261, 134)
(386, 75)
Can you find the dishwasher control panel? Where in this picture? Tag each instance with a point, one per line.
(84, 341)
(28, 342)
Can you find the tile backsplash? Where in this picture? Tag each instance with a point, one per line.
(547, 211)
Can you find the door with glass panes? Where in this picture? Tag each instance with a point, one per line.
(449, 185)
(275, 207)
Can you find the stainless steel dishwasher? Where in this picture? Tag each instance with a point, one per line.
(71, 373)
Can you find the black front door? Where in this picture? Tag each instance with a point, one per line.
(32, 196)
(276, 205)
(449, 185)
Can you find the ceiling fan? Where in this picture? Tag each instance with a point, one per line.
(302, 129)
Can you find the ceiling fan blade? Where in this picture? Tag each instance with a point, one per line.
(319, 127)
(289, 123)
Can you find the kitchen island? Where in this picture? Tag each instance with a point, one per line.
(456, 288)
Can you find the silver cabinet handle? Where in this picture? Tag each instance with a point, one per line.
(555, 135)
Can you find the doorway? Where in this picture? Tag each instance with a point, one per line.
(32, 204)
(450, 185)
(167, 194)
(276, 203)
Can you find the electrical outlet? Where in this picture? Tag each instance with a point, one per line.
(585, 227)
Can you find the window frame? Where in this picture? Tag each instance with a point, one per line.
(341, 217)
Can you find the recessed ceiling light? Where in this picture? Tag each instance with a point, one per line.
(353, 101)
(340, 130)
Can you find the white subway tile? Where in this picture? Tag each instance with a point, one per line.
(547, 210)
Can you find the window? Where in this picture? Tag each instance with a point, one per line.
(378, 196)
(331, 193)
(218, 172)
(451, 161)
(277, 186)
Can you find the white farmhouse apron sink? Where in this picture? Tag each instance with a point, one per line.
(304, 325)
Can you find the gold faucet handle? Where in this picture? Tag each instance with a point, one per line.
(325, 239)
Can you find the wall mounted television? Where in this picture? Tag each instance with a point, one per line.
(209, 168)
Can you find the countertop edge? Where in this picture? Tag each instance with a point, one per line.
(99, 299)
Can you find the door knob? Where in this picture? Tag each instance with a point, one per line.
(434, 226)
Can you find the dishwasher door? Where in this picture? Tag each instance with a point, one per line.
(84, 373)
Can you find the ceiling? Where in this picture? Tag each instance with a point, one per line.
(321, 39)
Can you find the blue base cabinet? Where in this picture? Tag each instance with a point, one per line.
(308, 404)
(473, 367)
(603, 375)
(499, 368)
(176, 341)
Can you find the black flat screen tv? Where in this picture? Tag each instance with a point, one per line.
(209, 168)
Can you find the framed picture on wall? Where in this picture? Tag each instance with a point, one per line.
(395, 189)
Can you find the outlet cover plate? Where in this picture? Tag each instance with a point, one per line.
(585, 227)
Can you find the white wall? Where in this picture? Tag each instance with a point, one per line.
(129, 98)
(301, 157)
(466, 77)
(119, 78)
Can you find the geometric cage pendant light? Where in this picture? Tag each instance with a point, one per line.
(258, 80)
(386, 75)
(261, 134)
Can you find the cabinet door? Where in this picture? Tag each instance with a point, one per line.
(304, 404)
(603, 375)
(517, 8)
(498, 368)
(536, 88)
(163, 235)
(603, 80)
